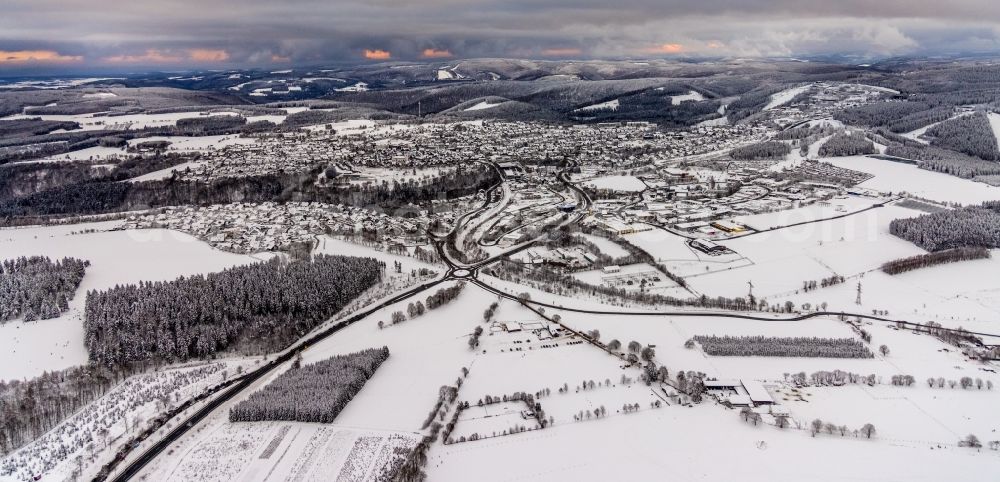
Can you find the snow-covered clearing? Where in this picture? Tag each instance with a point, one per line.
(95, 153)
(481, 106)
(673, 251)
(781, 98)
(357, 87)
(99, 121)
(609, 105)
(606, 245)
(617, 183)
(100, 95)
(917, 133)
(116, 257)
(899, 177)
(280, 451)
(995, 124)
(690, 96)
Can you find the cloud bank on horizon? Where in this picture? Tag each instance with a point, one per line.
(196, 33)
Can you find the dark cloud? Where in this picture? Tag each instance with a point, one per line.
(258, 32)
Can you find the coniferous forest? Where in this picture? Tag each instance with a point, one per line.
(312, 393)
(37, 287)
(970, 226)
(252, 309)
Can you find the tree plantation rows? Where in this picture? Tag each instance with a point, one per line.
(256, 308)
(970, 226)
(932, 259)
(312, 393)
(37, 287)
(30, 408)
(36, 409)
(779, 346)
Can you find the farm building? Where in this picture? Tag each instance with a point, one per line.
(728, 226)
(707, 246)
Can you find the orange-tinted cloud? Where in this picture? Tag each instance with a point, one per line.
(436, 54)
(666, 49)
(156, 56)
(280, 58)
(208, 55)
(561, 52)
(8, 56)
(151, 55)
(377, 54)
(715, 45)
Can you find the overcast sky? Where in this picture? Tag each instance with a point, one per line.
(208, 33)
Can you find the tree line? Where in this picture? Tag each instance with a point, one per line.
(812, 347)
(37, 287)
(932, 259)
(312, 393)
(256, 308)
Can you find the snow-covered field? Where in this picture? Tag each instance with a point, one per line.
(280, 451)
(606, 245)
(116, 257)
(617, 183)
(898, 177)
(994, 119)
(609, 105)
(845, 246)
(781, 98)
(690, 96)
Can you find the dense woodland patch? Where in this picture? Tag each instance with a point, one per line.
(311, 393)
(37, 287)
(257, 308)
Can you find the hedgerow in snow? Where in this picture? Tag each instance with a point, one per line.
(37, 287)
(931, 259)
(256, 309)
(312, 393)
(787, 347)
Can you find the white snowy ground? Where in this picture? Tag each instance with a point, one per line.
(481, 106)
(690, 96)
(781, 98)
(898, 177)
(994, 119)
(430, 351)
(116, 257)
(784, 258)
(618, 183)
(606, 246)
